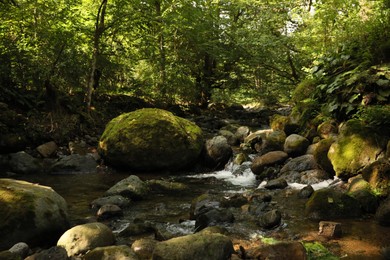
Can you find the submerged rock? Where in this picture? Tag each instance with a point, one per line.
(151, 140)
(132, 187)
(31, 213)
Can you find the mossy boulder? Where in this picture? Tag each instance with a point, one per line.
(356, 147)
(31, 213)
(198, 246)
(151, 140)
(361, 190)
(286, 124)
(377, 175)
(328, 204)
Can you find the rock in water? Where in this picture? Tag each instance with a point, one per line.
(151, 140)
(31, 213)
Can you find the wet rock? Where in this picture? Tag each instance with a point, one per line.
(31, 213)
(23, 163)
(327, 204)
(330, 229)
(361, 190)
(286, 124)
(296, 145)
(241, 133)
(233, 201)
(56, 252)
(327, 129)
(144, 248)
(21, 249)
(47, 149)
(377, 174)
(151, 140)
(240, 158)
(281, 250)
(83, 238)
(202, 204)
(306, 192)
(217, 152)
(300, 164)
(195, 247)
(118, 200)
(132, 187)
(230, 137)
(273, 141)
(255, 140)
(137, 228)
(213, 217)
(270, 219)
(320, 154)
(279, 183)
(313, 176)
(382, 215)
(7, 255)
(75, 163)
(363, 145)
(268, 159)
(166, 186)
(109, 211)
(111, 252)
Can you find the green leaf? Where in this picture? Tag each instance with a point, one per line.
(382, 82)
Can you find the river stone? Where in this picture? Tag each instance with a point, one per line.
(383, 213)
(270, 219)
(280, 250)
(151, 140)
(305, 192)
(132, 187)
(273, 141)
(274, 184)
(31, 213)
(47, 149)
(217, 152)
(82, 238)
(213, 217)
(361, 190)
(268, 159)
(357, 146)
(377, 174)
(166, 186)
(230, 137)
(75, 163)
(195, 247)
(144, 247)
(300, 164)
(21, 249)
(109, 211)
(320, 153)
(241, 133)
(55, 253)
(296, 145)
(118, 200)
(23, 163)
(328, 204)
(111, 253)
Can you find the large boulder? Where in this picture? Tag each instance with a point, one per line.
(198, 246)
(31, 213)
(82, 238)
(328, 204)
(151, 140)
(356, 147)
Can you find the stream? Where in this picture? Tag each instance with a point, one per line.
(362, 238)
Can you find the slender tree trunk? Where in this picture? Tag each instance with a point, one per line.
(99, 29)
(161, 46)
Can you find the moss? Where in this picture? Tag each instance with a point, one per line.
(316, 251)
(146, 137)
(321, 155)
(304, 90)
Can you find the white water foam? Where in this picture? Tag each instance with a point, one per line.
(246, 179)
(316, 186)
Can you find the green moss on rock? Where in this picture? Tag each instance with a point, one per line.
(151, 139)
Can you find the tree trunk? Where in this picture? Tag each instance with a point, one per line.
(93, 81)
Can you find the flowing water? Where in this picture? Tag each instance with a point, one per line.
(362, 238)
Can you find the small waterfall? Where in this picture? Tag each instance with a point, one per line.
(239, 175)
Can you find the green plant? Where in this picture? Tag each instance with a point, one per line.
(316, 251)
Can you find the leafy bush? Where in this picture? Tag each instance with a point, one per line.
(377, 115)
